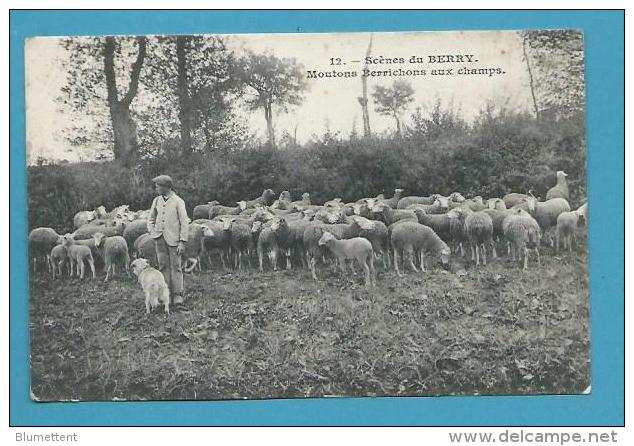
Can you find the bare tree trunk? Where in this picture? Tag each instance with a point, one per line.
(184, 101)
(126, 146)
(268, 115)
(530, 76)
(398, 125)
(363, 100)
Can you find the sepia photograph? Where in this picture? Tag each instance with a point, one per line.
(300, 215)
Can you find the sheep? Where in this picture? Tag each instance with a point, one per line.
(266, 199)
(58, 258)
(513, 199)
(390, 215)
(478, 228)
(77, 256)
(560, 190)
(409, 237)
(583, 213)
(270, 239)
(134, 230)
(361, 209)
(378, 237)
(305, 201)
(194, 247)
(496, 204)
(523, 233)
(456, 197)
(357, 248)
(240, 238)
(144, 247)
(497, 217)
(41, 242)
(334, 203)
(283, 202)
(89, 230)
(218, 210)
(113, 249)
(83, 217)
(331, 216)
(315, 230)
(406, 201)
(220, 240)
(546, 212)
(440, 223)
(567, 223)
(120, 212)
(391, 202)
(202, 210)
(475, 204)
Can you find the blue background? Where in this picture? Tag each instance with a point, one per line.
(604, 39)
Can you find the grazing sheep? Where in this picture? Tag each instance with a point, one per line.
(478, 228)
(523, 233)
(88, 231)
(560, 190)
(391, 202)
(120, 212)
(440, 223)
(404, 202)
(357, 248)
(112, 249)
(58, 258)
(513, 199)
(377, 234)
(546, 212)
(134, 230)
(202, 210)
(41, 242)
(270, 239)
(78, 254)
(218, 210)
(83, 217)
(409, 237)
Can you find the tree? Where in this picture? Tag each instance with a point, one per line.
(274, 81)
(392, 101)
(123, 126)
(555, 65)
(184, 101)
(99, 112)
(363, 100)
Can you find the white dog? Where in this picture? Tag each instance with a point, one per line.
(153, 284)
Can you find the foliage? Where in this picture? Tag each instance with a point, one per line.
(501, 151)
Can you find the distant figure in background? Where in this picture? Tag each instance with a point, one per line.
(168, 225)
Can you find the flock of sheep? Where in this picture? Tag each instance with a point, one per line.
(402, 231)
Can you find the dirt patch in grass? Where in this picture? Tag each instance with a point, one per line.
(487, 330)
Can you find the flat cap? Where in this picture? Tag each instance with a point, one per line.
(163, 180)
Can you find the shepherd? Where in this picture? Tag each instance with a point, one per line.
(168, 226)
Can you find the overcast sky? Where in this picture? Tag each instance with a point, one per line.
(328, 102)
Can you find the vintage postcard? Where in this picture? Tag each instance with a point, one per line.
(305, 215)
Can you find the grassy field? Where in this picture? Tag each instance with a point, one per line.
(485, 330)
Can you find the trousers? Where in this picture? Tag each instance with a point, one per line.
(169, 263)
